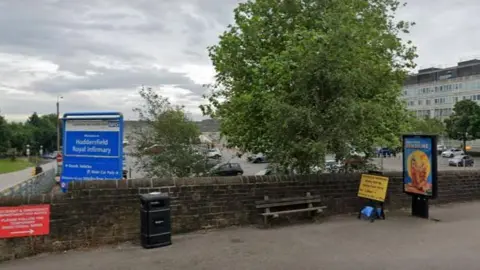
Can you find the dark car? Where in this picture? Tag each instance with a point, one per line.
(461, 160)
(226, 169)
(257, 158)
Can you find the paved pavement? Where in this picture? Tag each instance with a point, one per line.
(400, 242)
(11, 179)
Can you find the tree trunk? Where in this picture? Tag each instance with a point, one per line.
(465, 145)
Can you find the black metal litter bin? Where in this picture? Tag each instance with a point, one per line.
(38, 170)
(155, 220)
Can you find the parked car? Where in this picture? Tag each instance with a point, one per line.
(461, 160)
(385, 152)
(354, 152)
(226, 169)
(441, 148)
(52, 155)
(257, 158)
(332, 166)
(267, 171)
(214, 153)
(450, 153)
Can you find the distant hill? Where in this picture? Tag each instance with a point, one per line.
(207, 125)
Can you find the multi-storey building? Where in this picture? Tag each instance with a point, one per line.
(433, 92)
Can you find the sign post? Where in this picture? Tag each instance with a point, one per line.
(373, 187)
(420, 171)
(92, 147)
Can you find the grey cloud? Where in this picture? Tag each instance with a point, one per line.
(62, 28)
(118, 79)
(145, 32)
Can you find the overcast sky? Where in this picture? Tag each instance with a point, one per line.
(98, 53)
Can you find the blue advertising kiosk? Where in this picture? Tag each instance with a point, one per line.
(92, 147)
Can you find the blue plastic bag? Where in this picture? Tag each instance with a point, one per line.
(367, 211)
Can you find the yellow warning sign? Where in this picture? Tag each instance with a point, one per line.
(373, 187)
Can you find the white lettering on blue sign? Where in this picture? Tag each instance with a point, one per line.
(93, 150)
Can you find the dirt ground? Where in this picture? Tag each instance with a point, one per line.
(400, 242)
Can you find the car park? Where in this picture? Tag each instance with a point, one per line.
(452, 152)
(212, 162)
(461, 161)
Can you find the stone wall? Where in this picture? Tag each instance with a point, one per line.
(107, 212)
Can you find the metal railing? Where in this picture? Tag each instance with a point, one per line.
(39, 184)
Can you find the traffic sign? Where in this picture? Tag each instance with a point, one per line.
(92, 147)
(59, 158)
(27, 220)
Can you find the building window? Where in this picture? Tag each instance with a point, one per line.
(419, 102)
(427, 102)
(455, 99)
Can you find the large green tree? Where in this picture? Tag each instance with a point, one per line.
(299, 78)
(43, 132)
(428, 126)
(464, 123)
(5, 136)
(21, 135)
(164, 146)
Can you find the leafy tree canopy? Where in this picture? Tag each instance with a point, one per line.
(5, 135)
(36, 131)
(464, 123)
(165, 146)
(427, 126)
(299, 78)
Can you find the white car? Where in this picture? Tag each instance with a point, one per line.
(450, 153)
(214, 153)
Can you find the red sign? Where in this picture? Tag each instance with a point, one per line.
(27, 220)
(59, 158)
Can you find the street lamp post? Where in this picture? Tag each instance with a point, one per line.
(58, 122)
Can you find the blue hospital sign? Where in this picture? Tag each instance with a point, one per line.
(92, 150)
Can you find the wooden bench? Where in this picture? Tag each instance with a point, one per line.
(272, 208)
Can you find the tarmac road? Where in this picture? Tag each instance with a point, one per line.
(11, 179)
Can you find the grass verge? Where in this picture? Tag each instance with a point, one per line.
(6, 165)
